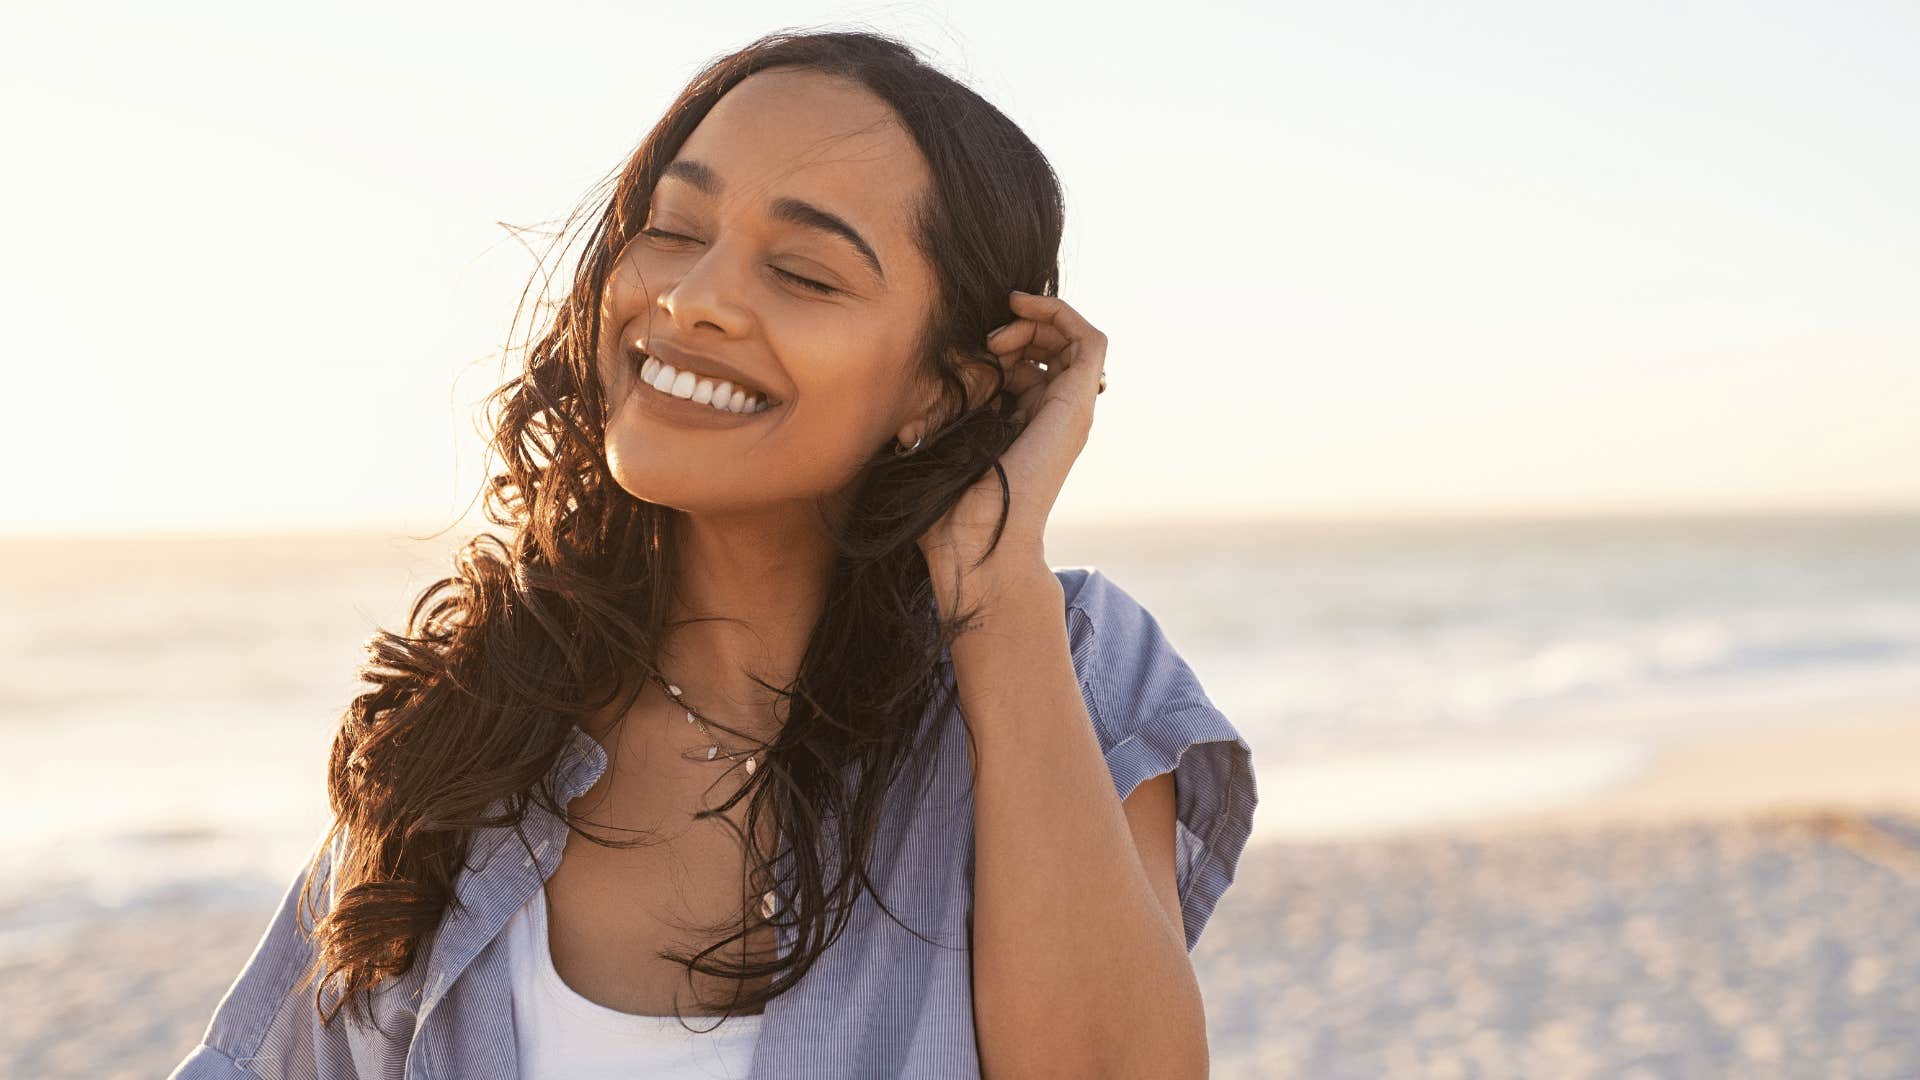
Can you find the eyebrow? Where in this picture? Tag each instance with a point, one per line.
(792, 211)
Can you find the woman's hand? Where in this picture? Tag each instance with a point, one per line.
(1057, 406)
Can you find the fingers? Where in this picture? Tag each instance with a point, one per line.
(1029, 401)
(1055, 312)
(1046, 330)
(1027, 335)
(1022, 376)
(1015, 347)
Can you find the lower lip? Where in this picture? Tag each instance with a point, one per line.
(687, 413)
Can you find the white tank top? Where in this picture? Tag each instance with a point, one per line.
(564, 1036)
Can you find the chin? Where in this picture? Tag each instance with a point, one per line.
(669, 472)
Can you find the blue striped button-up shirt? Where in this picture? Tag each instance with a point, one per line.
(879, 1003)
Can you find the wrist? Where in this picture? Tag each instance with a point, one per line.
(1007, 576)
(1022, 614)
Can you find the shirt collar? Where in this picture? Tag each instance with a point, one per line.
(486, 895)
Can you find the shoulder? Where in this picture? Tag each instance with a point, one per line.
(1101, 607)
(1125, 658)
(1152, 716)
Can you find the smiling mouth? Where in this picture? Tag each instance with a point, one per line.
(719, 394)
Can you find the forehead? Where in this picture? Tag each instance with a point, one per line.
(816, 137)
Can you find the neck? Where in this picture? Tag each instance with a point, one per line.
(753, 587)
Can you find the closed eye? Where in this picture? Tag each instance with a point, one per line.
(803, 282)
(808, 283)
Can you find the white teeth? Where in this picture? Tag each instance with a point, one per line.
(724, 396)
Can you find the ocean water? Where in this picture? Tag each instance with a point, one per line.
(167, 702)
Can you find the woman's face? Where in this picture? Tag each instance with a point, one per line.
(792, 175)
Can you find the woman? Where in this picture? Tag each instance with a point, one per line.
(777, 497)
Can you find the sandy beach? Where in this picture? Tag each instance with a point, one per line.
(1741, 903)
(1744, 904)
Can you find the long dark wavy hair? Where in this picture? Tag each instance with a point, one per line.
(473, 705)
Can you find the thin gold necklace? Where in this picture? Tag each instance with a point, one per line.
(693, 717)
(713, 751)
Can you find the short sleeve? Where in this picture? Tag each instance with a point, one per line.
(1153, 717)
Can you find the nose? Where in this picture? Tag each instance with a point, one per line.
(707, 293)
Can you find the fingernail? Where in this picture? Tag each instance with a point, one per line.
(999, 328)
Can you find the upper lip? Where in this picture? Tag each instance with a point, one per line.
(703, 365)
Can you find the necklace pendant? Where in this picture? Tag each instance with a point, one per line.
(749, 766)
(766, 905)
(672, 689)
(712, 750)
(690, 716)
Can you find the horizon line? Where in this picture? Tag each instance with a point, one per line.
(1412, 514)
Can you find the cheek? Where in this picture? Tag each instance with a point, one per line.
(622, 298)
(614, 383)
(625, 291)
(851, 401)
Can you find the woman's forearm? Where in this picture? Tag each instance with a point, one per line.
(1076, 969)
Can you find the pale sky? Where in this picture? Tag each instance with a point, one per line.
(1349, 257)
